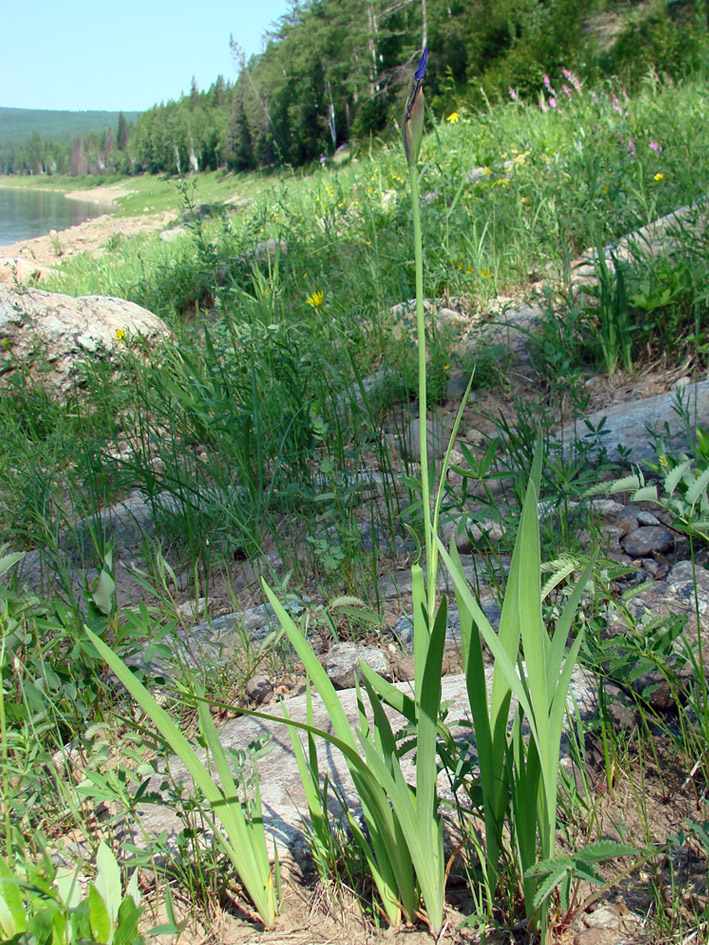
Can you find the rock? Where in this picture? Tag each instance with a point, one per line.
(658, 238)
(238, 203)
(176, 233)
(626, 425)
(647, 540)
(600, 937)
(605, 917)
(437, 435)
(471, 533)
(194, 610)
(51, 335)
(647, 518)
(341, 663)
(508, 324)
(15, 269)
(281, 788)
(259, 690)
(268, 250)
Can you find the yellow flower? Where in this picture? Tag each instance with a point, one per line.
(485, 273)
(316, 299)
(121, 334)
(659, 176)
(453, 118)
(486, 171)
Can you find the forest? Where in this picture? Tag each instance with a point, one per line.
(332, 72)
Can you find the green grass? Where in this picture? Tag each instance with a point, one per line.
(247, 431)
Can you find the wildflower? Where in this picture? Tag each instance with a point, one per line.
(316, 299)
(566, 90)
(631, 147)
(659, 176)
(487, 172)
(323, 159)
(616, 105)
(547, 81)
(120, 334)
(453, 118)
(543, 105)
(570, 77)
(412, 122)
(485, 273)
(513, 94)
(654, 146)
(5, 343)
(552, 101)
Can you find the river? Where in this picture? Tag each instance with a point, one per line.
(28, 213)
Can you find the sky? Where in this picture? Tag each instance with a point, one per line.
(124, 55)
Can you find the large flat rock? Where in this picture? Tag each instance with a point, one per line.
(282, 794)
(627, 425)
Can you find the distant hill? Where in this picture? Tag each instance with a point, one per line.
(18, 124)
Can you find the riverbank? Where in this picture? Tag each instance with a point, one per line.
(91, 236)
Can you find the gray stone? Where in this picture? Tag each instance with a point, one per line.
(281, 789)
(194, 610)
(39, 328)
(16, 269)
(471, 533)
(341, 663)
(508, 325)
(604, 917)
(437, 436)
(259, 690)
(626, 425)
(647, 540)
(268, 250)
(647, 518)
(176, 233)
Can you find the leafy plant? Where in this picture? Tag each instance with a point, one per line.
(243, 839)
(42, 904)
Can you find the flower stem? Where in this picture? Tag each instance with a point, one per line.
(429, 543)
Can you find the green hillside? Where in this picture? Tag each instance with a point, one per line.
(18, 124)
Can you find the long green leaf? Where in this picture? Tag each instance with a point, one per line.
(257, 885)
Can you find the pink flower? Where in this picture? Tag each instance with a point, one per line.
(654, 146)
(570, 77)
(616, 104)
(552, 101)
(566, 90)
(513, 94)
(543, 105)
(631, 147)
(547, 81)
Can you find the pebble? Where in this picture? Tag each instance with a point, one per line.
(647, 518)
(259, 690)
(194, 610)
(648, 540)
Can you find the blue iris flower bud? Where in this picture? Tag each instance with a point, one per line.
(412, 123)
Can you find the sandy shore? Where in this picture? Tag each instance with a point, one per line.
(107, 195)
(91, 236)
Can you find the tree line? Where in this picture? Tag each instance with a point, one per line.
(335, 70)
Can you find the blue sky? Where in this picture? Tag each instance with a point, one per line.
(122, 55)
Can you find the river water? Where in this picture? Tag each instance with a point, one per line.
(28, 213)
